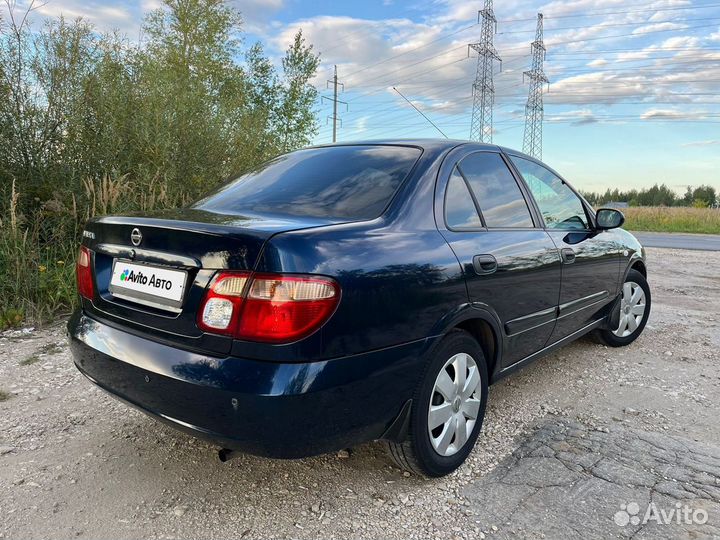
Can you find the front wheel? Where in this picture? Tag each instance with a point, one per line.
(448, 408)
(634, 310)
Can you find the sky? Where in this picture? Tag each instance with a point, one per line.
(633, 97)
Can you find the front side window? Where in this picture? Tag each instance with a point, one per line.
(501, 202)
(342, 182)
(559, 205)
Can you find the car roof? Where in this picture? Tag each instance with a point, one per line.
(435, 145)
(427, 144)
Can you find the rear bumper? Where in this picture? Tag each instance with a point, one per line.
(282, 410)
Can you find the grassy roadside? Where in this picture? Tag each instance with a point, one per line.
(672, 219)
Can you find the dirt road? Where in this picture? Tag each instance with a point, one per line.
(566, 442)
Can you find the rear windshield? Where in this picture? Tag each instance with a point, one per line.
(345, 182)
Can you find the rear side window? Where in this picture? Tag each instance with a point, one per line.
(501, 202)
(343, 182)
(460, 211)
(560, 207)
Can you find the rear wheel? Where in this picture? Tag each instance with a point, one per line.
(634, 308)
(448, 408)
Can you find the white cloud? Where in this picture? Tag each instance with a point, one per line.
(657, 27)
(573, 7)
(105, 17)
(597, 62)
(150, 5)
(673, 114)
(577, 117)
(710, 142)
(257, 14)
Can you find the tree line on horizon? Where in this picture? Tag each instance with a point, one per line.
(658, 195)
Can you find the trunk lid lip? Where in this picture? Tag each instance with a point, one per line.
(264, 224)
(172, 224)
(148, 256)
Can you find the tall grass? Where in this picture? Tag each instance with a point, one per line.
(38, 250)
(672, 219)
(36, 261)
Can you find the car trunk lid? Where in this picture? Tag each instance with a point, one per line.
(188, 246)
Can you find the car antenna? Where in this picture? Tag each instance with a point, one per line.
(418, 110)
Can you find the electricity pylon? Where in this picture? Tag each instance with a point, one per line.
(335, 118)
(532, 138)
(483, 88)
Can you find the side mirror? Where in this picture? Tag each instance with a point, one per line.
(609, 218)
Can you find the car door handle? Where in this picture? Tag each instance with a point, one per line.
(568, 255)
(484, 264)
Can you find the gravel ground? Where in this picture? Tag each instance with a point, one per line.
(74, 462)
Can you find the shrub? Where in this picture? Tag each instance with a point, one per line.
(92, 124)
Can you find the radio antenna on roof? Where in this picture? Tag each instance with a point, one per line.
(418, 110)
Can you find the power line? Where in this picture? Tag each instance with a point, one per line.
(624, 12)
(385, 85)
(573, 41)
(460, 126)
(448, 90)
(644, 51)
(415, 74)
(583, 15)
(447, 51)
(442, 53)
(579, 70)
(707, 118)
(613, 25)
(412, 50)
(386, 124)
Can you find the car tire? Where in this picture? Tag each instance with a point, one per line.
(437, 451)
(631, 313)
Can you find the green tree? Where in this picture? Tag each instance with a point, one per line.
(93, 123)
(187, 81)
(263, 93)
(295, 115)
(705, 195)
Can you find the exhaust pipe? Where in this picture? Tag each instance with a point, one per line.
(226, 454)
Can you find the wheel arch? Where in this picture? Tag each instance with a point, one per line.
(636, 262)
(484, 326)
(639, 265)
(484, 334)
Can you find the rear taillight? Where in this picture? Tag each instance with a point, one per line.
(221, 307)
(272, 308)
(83, 271)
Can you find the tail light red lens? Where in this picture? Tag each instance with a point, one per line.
(287, 308)
(271, 308)
(83, 272)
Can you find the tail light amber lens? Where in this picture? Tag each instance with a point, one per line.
(83, 272)
(271, 308)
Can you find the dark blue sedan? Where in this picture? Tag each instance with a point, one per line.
(347, 293)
